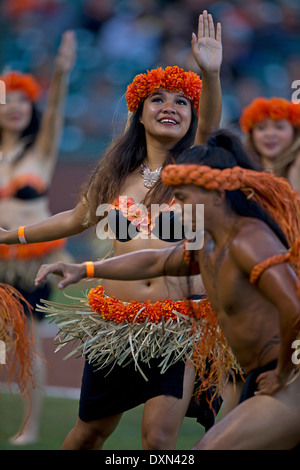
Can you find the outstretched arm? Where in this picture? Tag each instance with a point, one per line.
(52, 120)
(64, 224)
(144, 264)
(207, 51)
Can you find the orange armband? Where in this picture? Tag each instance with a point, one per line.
(21, 235)
(90, 269)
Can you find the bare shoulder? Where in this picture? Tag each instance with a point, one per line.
(254, 242)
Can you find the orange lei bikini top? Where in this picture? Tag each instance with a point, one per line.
(25, 187)
(126, 213)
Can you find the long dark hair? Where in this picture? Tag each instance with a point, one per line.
(33, 127)
(123, 156)
(225, 150)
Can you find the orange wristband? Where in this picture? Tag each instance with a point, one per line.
(90, 269)
(21, 235)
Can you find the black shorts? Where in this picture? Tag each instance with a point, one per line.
(110, 391)
(250, 385)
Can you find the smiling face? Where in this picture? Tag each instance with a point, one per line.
(16, 114)
(272, 138)
(166, 116)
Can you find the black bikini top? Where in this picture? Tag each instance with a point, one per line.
(128, 219)
(24, 187)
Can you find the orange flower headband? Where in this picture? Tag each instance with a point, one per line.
(24, 82)
(273, 108)
(273, 194)
(170, 78)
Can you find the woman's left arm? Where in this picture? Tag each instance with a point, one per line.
(52, 120)
(207, 52)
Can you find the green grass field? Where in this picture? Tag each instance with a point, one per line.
(59, 416)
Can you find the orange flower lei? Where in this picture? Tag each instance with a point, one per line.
(24, 82)
(273, 108)
(118, 311)
(137, 213)
(170, 78)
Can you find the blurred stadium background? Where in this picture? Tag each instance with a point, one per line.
(118, 39)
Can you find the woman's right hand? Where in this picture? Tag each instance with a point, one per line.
(71, 273)
(66, 55)
(207, 45)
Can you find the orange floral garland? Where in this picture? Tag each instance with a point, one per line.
(30, 251)
(170, 78)
(24, 82)
(118, 311)
(273, 108)
(138, 214)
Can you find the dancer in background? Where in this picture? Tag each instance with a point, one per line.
(272, 129)
(28, 154)
(166, 118)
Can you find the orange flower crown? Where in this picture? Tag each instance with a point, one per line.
(273, 108)
(24, 82)
(170, 78)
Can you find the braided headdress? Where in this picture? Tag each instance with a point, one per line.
(273, 108)
(273, 194)
(170, 78)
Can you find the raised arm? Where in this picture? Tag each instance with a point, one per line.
(64, 224)
(144, 264)
(52, 120)
(207, 51)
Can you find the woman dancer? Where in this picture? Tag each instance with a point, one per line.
(164, 106)
(28, 154)
(272, 129)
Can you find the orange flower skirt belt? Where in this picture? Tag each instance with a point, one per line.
(30, 251)
(109, 331)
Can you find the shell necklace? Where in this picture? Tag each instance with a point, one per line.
(149, 177)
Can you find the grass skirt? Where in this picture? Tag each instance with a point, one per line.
(109, 331)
